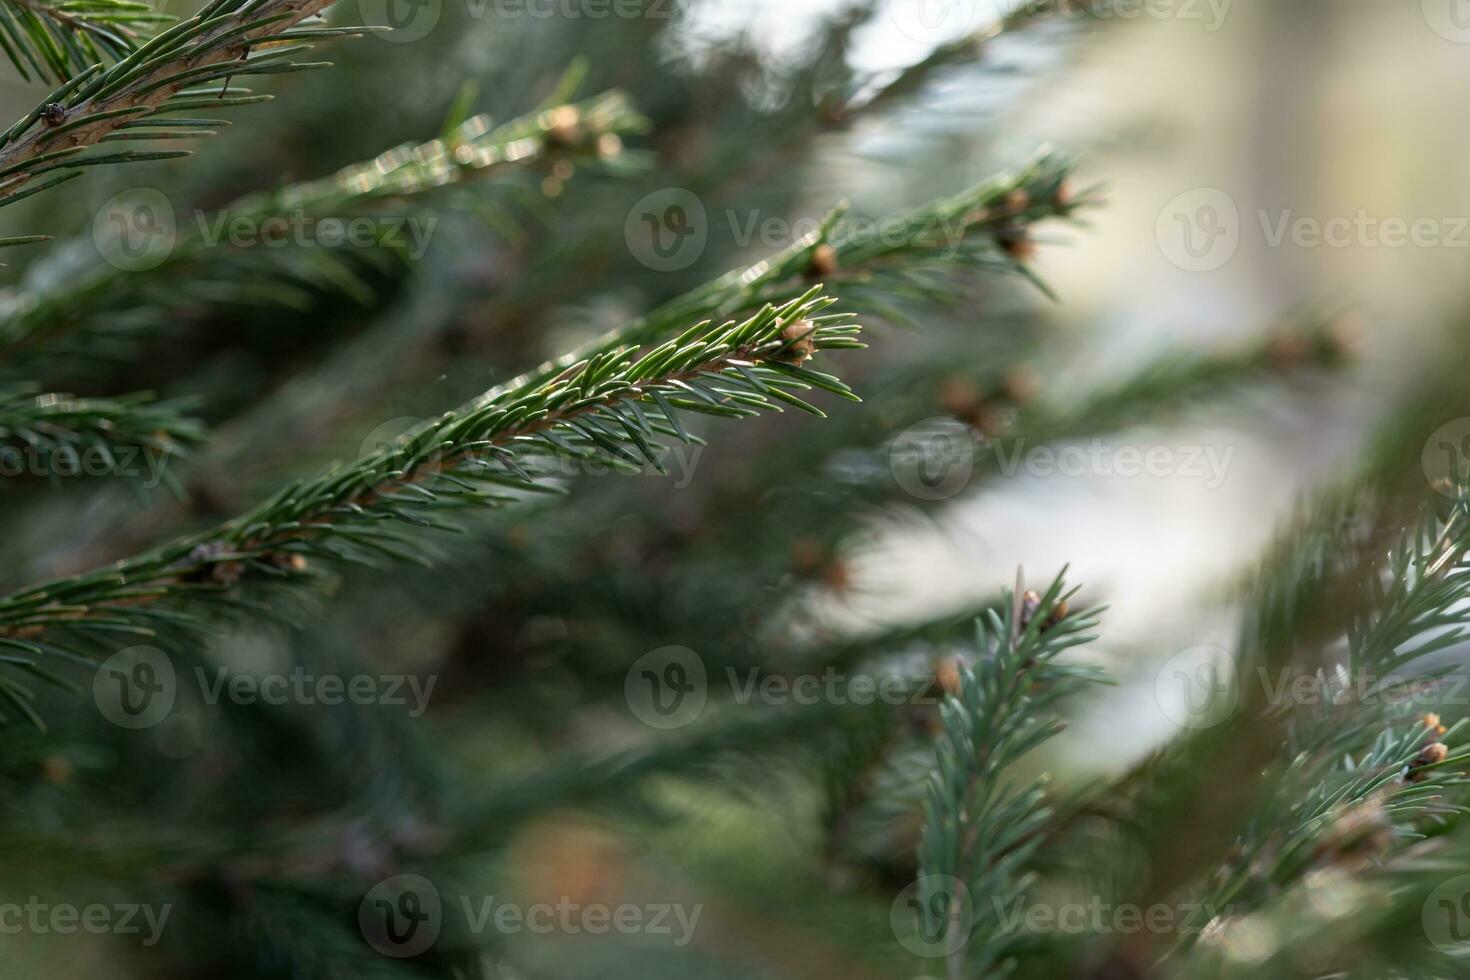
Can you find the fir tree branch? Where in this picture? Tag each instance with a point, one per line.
(170, 72)
(491, 452)
(979, 829)
(60, 430)
(60, 39)
(82, 320)
(987, 225)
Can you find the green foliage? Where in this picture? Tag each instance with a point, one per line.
(63, 39)
(60, 429)
(980, 829)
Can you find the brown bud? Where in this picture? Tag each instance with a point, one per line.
(1431, 754)
(1021, 384)
(959, 396)
(1358, 835)
(289, 560)
(837, 575)
(564, 126)
(1288, 350)
(1018, 199)
(1031, 604)
(947, 673)
(1431, 722)
(1016, 244)
(55, 769)
(823, 262)
(1064, 194)
(800, 337)
(220, 572)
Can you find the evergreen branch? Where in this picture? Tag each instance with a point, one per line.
(492, 452)
(67, 431)
(78, 322)
(61, 39)
(155, 77)
(986, 225)
(979, 830)
(1356, 745)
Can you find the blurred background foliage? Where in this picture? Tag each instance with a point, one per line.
(786, 543)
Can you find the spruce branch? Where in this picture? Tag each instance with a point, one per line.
(1359, 743)
(170, 72)
(612, 409)
(83, 322)
(64, 429)
(979, 829)
(981, 226)
(59, 39)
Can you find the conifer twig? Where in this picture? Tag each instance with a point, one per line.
(492, 452)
